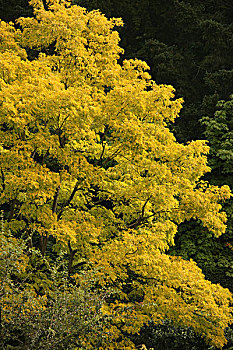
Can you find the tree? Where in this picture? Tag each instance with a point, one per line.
(186, 43)
(217, 263)
(218, 130)
(19, 301)
(64, 316)
(214, 255)
(88, 164)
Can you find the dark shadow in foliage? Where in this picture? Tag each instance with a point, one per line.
(13, 9)
(166, 337)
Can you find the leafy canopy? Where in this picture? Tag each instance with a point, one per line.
(88, 164)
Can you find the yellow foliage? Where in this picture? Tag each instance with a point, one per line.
(88, 158)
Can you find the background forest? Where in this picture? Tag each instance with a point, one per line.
(54, 299)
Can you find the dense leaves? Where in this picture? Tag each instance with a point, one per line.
(40, 309)
(90, 168)
(214, 255)
(187, 44)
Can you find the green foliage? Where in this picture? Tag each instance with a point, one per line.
(165, 337)
(215, 256)
(219, 132)
(212, 254)
(62, 316)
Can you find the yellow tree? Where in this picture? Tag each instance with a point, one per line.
(87, 159)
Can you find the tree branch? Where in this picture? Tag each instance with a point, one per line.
(63, 122)
(144, 206)
(55, 200)
(130, 253)
(112, 156)
(102, 153)
(44, 241)
(141, 218)
(68, 201)
(3, 180)
(12, 208)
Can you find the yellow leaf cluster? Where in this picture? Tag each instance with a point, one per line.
(87, 157)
